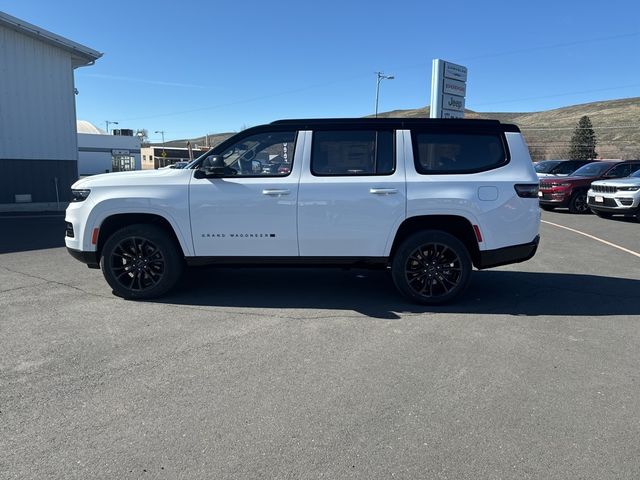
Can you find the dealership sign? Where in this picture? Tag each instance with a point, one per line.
(448, 89)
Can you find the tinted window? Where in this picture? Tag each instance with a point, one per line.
(457, 152)
(592, 170)
(262, 155)
(545, 166)
(620, 171)
(344, 152)
(568, 167)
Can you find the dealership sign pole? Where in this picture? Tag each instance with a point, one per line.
(448, 89)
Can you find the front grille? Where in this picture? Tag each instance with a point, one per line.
(69, 230)
(603, 189)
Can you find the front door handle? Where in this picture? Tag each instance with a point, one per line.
(383, 191)
(276, 192)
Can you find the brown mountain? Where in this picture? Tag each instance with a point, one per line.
(548, 133)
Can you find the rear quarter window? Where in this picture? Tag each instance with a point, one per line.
(450, 153)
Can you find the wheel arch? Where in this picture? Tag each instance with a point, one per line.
(456, 225)
(115, 222)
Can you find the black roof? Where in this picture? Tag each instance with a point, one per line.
(400, 123)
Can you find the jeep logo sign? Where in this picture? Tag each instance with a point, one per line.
(448, 89)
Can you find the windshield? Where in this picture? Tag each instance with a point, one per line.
(568, 167)
(635, 174)
(592, 169)
(545, 166)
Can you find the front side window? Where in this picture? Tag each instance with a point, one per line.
(441, 153)
(352, 152)
(267, 154)
(620, 171)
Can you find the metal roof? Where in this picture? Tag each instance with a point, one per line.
(81, 54)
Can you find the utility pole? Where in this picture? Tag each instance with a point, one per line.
(109, 122)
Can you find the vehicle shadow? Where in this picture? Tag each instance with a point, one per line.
(22, 234)
(372, 293)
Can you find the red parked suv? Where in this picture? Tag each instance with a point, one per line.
(571, 192)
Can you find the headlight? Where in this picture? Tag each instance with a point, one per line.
(628, 189)
(79, 195)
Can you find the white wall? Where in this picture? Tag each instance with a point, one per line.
(95, 152)
(37, 104)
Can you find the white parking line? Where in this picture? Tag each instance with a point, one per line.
(594, 238)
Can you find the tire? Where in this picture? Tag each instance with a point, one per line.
(141, 261)
(602, 214)
(578, 203)
(421, 280)
(547, 208)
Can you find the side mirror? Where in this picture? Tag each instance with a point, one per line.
(214, 167)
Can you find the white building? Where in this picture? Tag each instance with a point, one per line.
(102, 153)
(38, 140)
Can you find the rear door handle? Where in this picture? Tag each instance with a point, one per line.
(276, 192)
(383, 191)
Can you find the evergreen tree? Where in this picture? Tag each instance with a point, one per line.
(583, 141)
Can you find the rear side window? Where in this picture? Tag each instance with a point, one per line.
(352, 152)
(440, 153)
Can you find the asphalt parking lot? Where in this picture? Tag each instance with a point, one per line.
(302, 373)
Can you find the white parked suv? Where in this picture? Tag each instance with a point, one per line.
(427, 199)
(616, 196)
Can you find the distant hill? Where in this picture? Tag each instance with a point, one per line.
(548, 133)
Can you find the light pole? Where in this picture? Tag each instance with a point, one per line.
(108, 122)
(380, 76)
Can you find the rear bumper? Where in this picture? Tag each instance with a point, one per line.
(507, 255)
(88, 258)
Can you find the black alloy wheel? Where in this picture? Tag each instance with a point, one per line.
(137, 264)
(431, 267)
(141, 262)
(578, 203)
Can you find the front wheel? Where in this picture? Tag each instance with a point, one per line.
(578, 203)
(431, 267)
(140, 262)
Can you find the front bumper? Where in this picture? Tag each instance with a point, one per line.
(507, 255)
(556, 199)
(89, 258)
(614, 204)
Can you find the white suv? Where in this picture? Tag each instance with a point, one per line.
(616, 196)
(428, 199)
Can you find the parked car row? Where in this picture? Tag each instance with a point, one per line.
(604, 187)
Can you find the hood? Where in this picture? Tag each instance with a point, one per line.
(619, 182)
(136, 177)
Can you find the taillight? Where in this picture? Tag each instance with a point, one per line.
(527, 190)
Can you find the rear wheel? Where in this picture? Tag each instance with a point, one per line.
(141, 261)
(578, 203)
(431, 267)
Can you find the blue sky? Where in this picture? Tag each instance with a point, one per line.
(196, 67)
